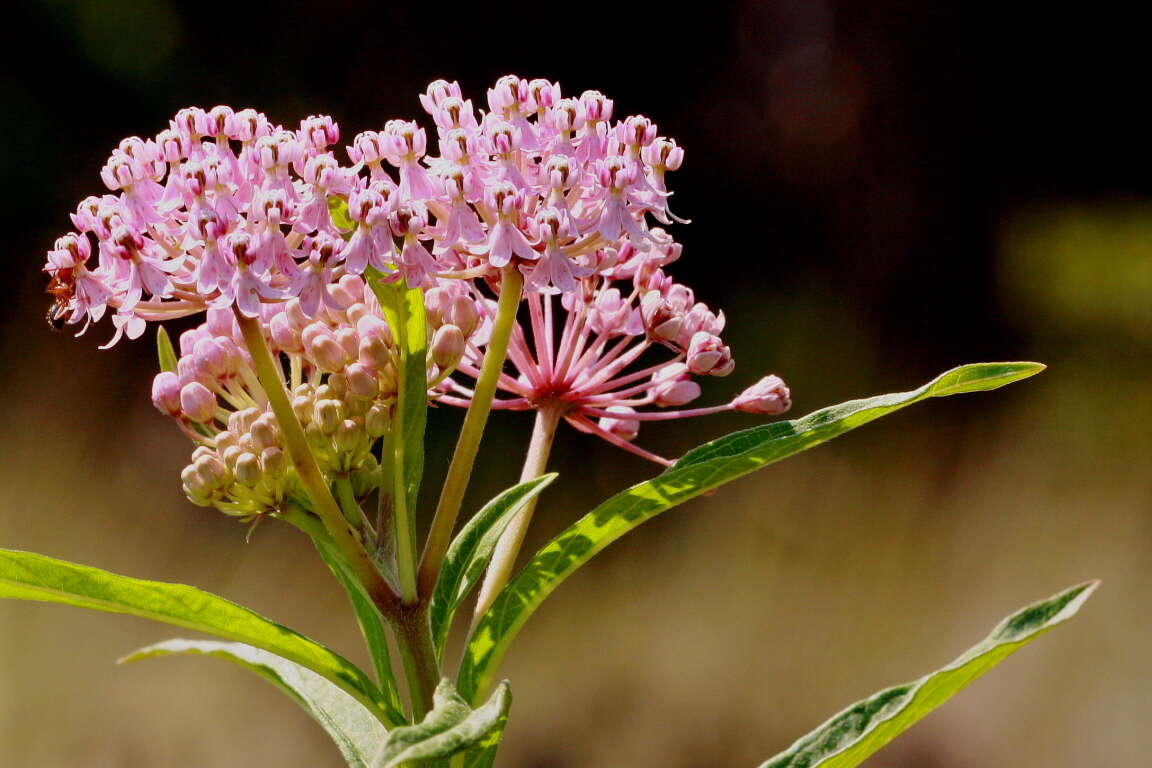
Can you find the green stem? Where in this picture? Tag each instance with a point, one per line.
(468, 444)
(270, 376)
(405, 533)
(414, 641)
(508, 546)
(348, 504)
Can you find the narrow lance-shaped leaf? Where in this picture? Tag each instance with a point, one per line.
(28, 576)
(356, 732)
(853, 735)
(471, 551)
(701, 470)
(451, 727)
(371, 627)
(403, 308)
(164, 350)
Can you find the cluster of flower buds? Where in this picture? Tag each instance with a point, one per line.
(226, 212)
(341, 370)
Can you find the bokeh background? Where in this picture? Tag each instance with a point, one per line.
(878, 191)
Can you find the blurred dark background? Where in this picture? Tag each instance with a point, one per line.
(878, 191)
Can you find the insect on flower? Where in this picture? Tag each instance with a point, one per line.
(61, 287)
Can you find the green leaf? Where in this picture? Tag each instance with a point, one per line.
(403, 308)
(357, 733)
(28, 576)
(451, 727)
(471, 550)
(856, 733)
(371, 627)
(338, 212)
(164, 350)
(700, 470)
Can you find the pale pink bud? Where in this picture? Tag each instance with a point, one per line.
(166, 393)
(672, 385)
(361, 380)
(284, 334)
(708, 355)
(464, 315)
(349, 340)
(213, 359)
(447, 346)
(769, 396)
(624, 428)
(197, 402)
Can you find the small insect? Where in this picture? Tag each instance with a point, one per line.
(61, 286)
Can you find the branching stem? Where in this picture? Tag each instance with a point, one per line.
(508, 547)
(468, 444)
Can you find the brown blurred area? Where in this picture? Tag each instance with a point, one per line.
(878, 192)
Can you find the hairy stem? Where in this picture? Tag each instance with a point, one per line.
(508, 547)
(468, 444)
(324, 505)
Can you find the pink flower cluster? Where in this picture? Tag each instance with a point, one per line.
(223, 207)
(590, 363)
(227, 212)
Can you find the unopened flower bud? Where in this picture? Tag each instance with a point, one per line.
(194, 486)
(241, 421)
(197, 402)
(708, 355)
(768, 396)
(302, 407)
(166, 393)
(374, 351)
(660, 317)
(361, 381)
(273, 462)
(349, 340)
(348, 435)
(327, 353)
(212, 470)
(377, 420)
(464, 315)
(622, 427)
(231, 454)
(264, 432)
(672, 386)
(284, 334)
(247, 469)
(328, 415)
(338, 383)
(447, 346)
(224, 440)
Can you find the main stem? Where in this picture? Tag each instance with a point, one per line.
(468, 444)
(508, 546)
(324, 505)
(418, 654)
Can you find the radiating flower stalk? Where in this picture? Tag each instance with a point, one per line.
(521, 267)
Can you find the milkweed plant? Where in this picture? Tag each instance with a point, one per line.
(523, 263)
